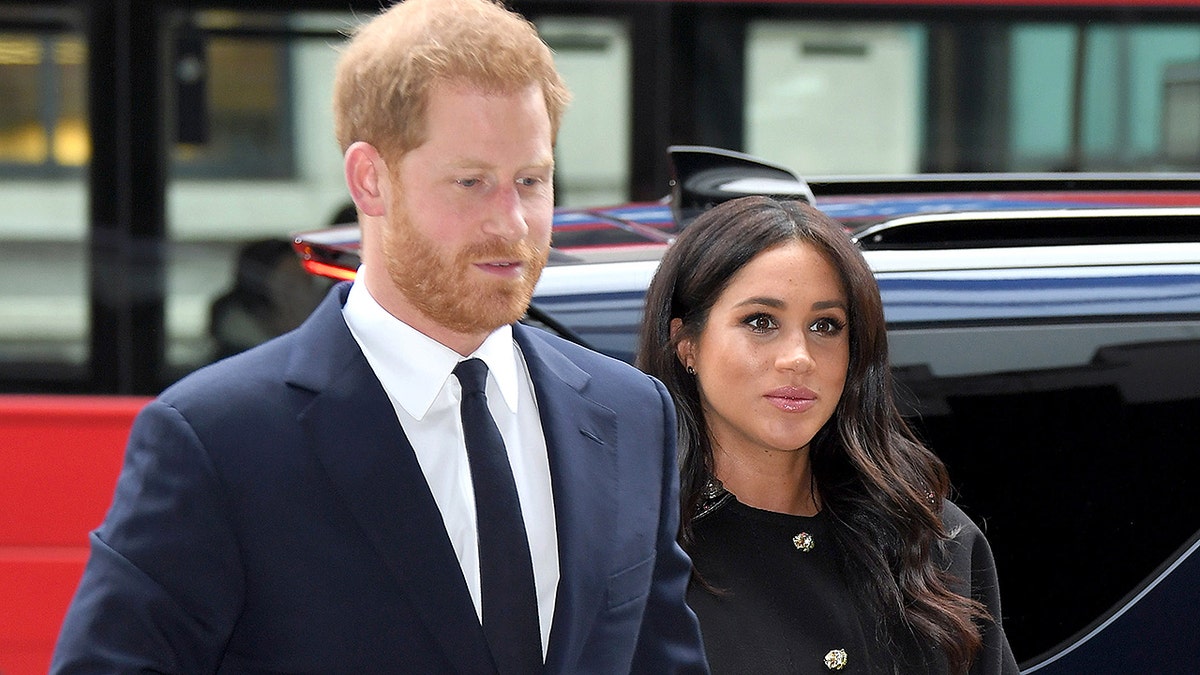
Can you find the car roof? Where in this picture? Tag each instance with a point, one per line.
(913, 212)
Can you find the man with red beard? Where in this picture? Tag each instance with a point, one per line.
(327, 503)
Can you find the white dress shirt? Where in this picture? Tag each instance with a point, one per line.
(416, 372)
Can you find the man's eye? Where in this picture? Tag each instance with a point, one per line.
(468, 182)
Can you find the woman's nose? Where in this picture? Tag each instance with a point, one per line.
(796, 356)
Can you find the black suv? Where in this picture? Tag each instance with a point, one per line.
(1045, 330)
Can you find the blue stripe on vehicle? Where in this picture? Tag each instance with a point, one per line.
(915, 299)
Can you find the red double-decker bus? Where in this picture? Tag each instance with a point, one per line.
(153, 154)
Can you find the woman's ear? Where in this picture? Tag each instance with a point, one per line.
(366, 178)
(684, 348)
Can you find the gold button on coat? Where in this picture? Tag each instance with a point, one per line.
(836, 659)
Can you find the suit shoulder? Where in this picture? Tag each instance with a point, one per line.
(605, 380)
(587, 359)
(240, 379)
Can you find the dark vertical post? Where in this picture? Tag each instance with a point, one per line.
(1078, 74)
(982, 98)
(969, 96)
(656, 83)
(719, 88)
(127, 201)
(941, 130)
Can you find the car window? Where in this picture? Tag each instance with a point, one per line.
(1070, 443)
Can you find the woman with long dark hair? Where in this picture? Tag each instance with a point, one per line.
(818, 523)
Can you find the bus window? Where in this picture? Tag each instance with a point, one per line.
(1123, 79)
(44, 149)
(592, 156)
(251, 93)
(1181, 113)
(886, 97)
(265, 113)
(230, 119)
(835, 98)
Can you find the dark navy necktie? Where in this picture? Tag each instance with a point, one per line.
(510, 608)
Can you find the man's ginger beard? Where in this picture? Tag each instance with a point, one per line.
(446, 288)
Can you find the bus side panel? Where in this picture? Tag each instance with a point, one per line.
(59, 459)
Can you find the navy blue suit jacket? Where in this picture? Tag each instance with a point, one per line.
(271, 517)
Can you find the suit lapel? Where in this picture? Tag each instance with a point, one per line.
(581, 444)
(371, 464)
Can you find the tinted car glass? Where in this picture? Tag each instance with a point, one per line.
(1070, 432)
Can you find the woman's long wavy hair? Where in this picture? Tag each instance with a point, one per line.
(881, 487)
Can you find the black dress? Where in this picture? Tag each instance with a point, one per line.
(782, 605)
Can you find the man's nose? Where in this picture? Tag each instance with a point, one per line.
(506, 217)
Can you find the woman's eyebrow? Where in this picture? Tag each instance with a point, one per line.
(780, 304)
(762, 300)
(829, 304)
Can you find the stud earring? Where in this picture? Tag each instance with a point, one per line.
(690, 370)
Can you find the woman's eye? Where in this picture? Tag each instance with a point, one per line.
(827, 326)
(761, 323)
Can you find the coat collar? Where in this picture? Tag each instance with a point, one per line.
(581, 441)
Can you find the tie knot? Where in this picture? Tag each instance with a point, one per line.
(472, 375)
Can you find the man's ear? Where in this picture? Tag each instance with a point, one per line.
(367, 178)
(684, 348)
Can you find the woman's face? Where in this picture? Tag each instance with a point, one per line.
(771, 361)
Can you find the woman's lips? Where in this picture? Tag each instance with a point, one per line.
(792, 399)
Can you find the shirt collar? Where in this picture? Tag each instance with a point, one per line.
(413, 367)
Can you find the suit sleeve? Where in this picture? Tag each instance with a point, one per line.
(669, 641)
(162, 584)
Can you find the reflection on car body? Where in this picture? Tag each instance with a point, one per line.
(1046, 333)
